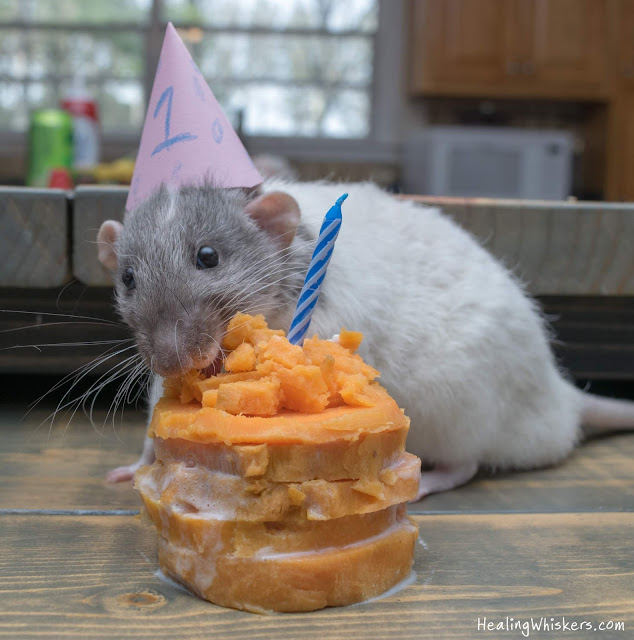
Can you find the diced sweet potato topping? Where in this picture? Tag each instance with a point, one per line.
(350, 339)
(265, 373)
(223, 378)
(240, 328)
(304, 388)
(245, 328)
(251, 397)
(281, 353)
(189, 388)
(210, 398)
(354, 390)
(241, 359)
(345, 362)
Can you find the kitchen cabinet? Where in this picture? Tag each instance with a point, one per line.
(620, 154)
(510, 48)
(620, 137)
(624, 67)
(458, 42)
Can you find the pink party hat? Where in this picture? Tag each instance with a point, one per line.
(186, 136)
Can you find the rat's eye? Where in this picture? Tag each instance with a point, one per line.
(128, 278)
(206, 258)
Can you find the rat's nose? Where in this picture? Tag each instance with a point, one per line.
(169, 358)
(167, 366)
(206, 358)
(173, 353)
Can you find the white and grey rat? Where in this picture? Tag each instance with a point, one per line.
(459, 344)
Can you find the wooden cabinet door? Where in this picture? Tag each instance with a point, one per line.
(523, 48)
(625, 41)
(620, 148)
(569, 47)
(458, 45)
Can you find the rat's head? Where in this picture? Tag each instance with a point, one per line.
(184, 262)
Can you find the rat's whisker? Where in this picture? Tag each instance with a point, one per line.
(54, 324)
(220, 349)
(81, 400)
(176, 341)
(65, 344)
(244, 293)
(63, 405)
(187, 284)
(63, 315)
(59, 295)
(96, 389)
(261, 272)
(179, 300)
(248, 291)
(85, 368)
(99, 387)
(119, 399)
(144, 387)
(134, 376)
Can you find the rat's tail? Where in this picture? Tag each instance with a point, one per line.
(601, 415)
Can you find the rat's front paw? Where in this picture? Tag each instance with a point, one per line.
(125, 473)
(122, 474)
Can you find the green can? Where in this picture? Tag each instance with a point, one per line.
(50, 145)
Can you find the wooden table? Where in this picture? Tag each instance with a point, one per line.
(77, 562)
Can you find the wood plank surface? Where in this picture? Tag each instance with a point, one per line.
(598, 476)
(56, 331)
(33, 237)
(556, 248)
(65, 469)
(92, 206)
(95, 577)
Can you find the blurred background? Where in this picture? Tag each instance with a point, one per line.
(506, 99)
(443, 97)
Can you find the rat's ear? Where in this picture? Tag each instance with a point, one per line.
(276, 213)
(106, 239)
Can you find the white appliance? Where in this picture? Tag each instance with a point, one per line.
(491, 162)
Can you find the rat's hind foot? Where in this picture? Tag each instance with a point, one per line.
(444, 478)
(122, 474)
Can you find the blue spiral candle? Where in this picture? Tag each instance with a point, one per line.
(316, 273)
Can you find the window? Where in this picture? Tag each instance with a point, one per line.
(48, 45)
(278, 67)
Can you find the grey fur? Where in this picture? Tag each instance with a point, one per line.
(178, 311)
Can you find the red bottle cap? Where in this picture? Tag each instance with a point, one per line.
(59, 178)
(81, 107)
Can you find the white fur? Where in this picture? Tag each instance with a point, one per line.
(170, 212)
(458, 343)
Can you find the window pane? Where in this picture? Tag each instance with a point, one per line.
(18, 100)
(271, 109)
(13, 115)
(121, 105)
(331, 15)
(316, 59)
(38, 53)
(348, 115)
(86, 11)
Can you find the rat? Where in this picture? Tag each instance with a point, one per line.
(458, 342)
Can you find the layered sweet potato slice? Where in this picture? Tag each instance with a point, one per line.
(250, 569)
(215, 494)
